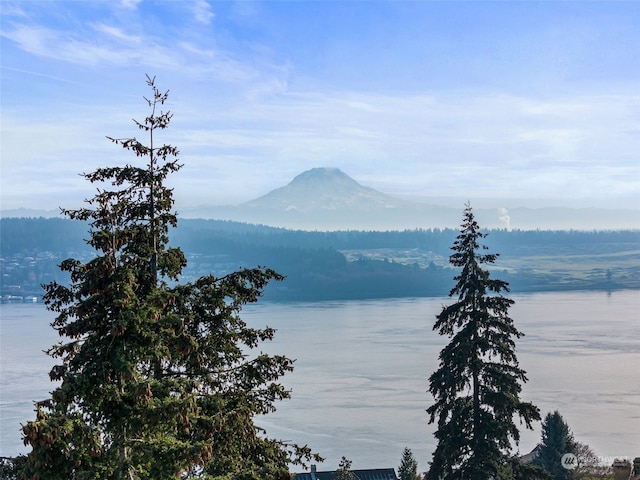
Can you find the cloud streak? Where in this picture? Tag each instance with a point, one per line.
(492, 148)
(250, 114)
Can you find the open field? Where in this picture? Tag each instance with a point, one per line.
(561, 270)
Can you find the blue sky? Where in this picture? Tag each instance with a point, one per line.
(523, 103)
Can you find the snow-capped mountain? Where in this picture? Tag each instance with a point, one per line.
(324, 189)
(329, 199)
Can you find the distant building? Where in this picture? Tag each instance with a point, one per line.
(625, 470)
(371, 474)
(531, 456)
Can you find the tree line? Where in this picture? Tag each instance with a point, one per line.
(313, 263)
(27, 235)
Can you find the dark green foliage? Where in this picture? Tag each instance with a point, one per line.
(156, 377)
(344, 470)
(557, 440)
(24, 235)
(515, 469)
(10, 467)
(316, 269)
(408, 469)
(477, 385)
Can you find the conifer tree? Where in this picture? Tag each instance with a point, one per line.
(408, 469)
(156, 379)
(344, 470)
(476, 388)
(557, 441)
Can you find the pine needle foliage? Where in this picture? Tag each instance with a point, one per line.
(476, 388)
(408, 469)
(156, 378)
(344, 470)
(557, 440)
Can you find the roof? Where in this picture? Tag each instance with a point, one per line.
(531, 456)
(370, 474)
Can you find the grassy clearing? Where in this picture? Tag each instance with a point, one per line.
(536, 270)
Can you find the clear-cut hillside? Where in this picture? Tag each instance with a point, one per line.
(324, 189)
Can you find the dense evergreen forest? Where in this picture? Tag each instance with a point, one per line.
(341, 264)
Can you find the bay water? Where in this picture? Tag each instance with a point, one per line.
(359, 387)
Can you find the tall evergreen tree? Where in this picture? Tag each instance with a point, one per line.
(156, 377)
(476, 388)
(408, 469)
(557, 440)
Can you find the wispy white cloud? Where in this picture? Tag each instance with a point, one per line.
(29, 73)
(13, 9)
(57, 45)
(202, 12)
(105, 45)
(119, 34)
(130, 4)
(249, 118)
(505, 146)
(437, 144)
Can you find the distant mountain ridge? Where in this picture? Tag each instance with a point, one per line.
(324, 188)
(326, 198)
(29, 213)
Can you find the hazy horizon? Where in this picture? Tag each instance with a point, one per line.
(481, 101)
(328, 199)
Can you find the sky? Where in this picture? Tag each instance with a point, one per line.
(524, 103)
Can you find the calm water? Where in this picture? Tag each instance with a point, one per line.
(359, 387)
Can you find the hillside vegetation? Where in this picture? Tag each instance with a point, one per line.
(341, 264)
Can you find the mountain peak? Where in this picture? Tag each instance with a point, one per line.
(323, 188)
(323, 174)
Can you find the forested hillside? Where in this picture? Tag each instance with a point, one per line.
(341, 264)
